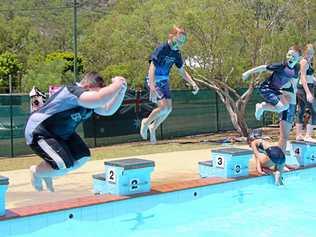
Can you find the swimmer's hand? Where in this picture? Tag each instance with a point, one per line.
(245, 76)
(153, 97)
(310, 98)
(120, 80)
(261, 172)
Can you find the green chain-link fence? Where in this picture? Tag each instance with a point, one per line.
(191, 115)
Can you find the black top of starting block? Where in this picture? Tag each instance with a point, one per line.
(4, 180)
(206, 163)
(99, 176)
(304, 142)
(233, 151)
(129, 164)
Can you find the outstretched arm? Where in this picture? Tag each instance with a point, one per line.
(258, 69)
(186, 76)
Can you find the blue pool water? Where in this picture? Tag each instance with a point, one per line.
(247, 208)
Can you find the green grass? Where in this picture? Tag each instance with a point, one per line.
(108, 152)
(205, 141)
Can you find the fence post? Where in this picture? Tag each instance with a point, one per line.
(94, 130)
(161, 131)
(217, 112)
(11, 116)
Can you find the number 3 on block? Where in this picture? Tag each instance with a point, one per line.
(220, 162)
(111, 176)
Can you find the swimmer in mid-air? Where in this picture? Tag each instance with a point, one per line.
(276, 88)
(50, 130)
(161, 62)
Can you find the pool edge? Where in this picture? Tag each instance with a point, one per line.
(107, 198)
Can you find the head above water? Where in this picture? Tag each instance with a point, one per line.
(293, 56)
(92, 80)
(177, 37)
(254, 134)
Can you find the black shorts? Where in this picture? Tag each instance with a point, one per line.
(59, 153)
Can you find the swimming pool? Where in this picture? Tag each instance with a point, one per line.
(250, 207)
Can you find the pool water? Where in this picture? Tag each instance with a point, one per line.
(257, 209)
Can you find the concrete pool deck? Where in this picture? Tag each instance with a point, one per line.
(171, 167)
(174, 171)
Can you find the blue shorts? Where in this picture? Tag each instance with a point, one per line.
(162, 87)
(289, 114)
(276, 155)
(163, 90)
(269, 94)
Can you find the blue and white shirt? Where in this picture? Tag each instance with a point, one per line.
(60, 115)
(163, 58)
(281, 75)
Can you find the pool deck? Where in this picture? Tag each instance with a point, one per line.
(173, 171)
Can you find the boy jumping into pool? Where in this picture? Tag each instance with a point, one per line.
(50, 131)
(157, 80)
(276, 88)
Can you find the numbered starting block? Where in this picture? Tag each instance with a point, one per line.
(304, 152)
(4, 182)
(99, 183)
(206, 168)
(125, 177)
(227, 162)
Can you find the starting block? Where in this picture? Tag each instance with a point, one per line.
(4, 182)
(206, 168)
(304, 152)
(124, 177)
(227, 163)
(99, 184)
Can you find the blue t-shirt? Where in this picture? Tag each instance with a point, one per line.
(282, 74)
(163, 58)
(60, 115)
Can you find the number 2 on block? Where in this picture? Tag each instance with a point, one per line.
(134, 184)
(111, 176)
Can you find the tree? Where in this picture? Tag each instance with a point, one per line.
(46, 74)
(232, 40)
(68, 58)
(225, 39)
(9, 67)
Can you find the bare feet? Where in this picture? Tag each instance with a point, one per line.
(143, 129)
(299, 138)
(259, 111)
(49, 184)
(152, 132)
(309, 139)
(36, 181)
